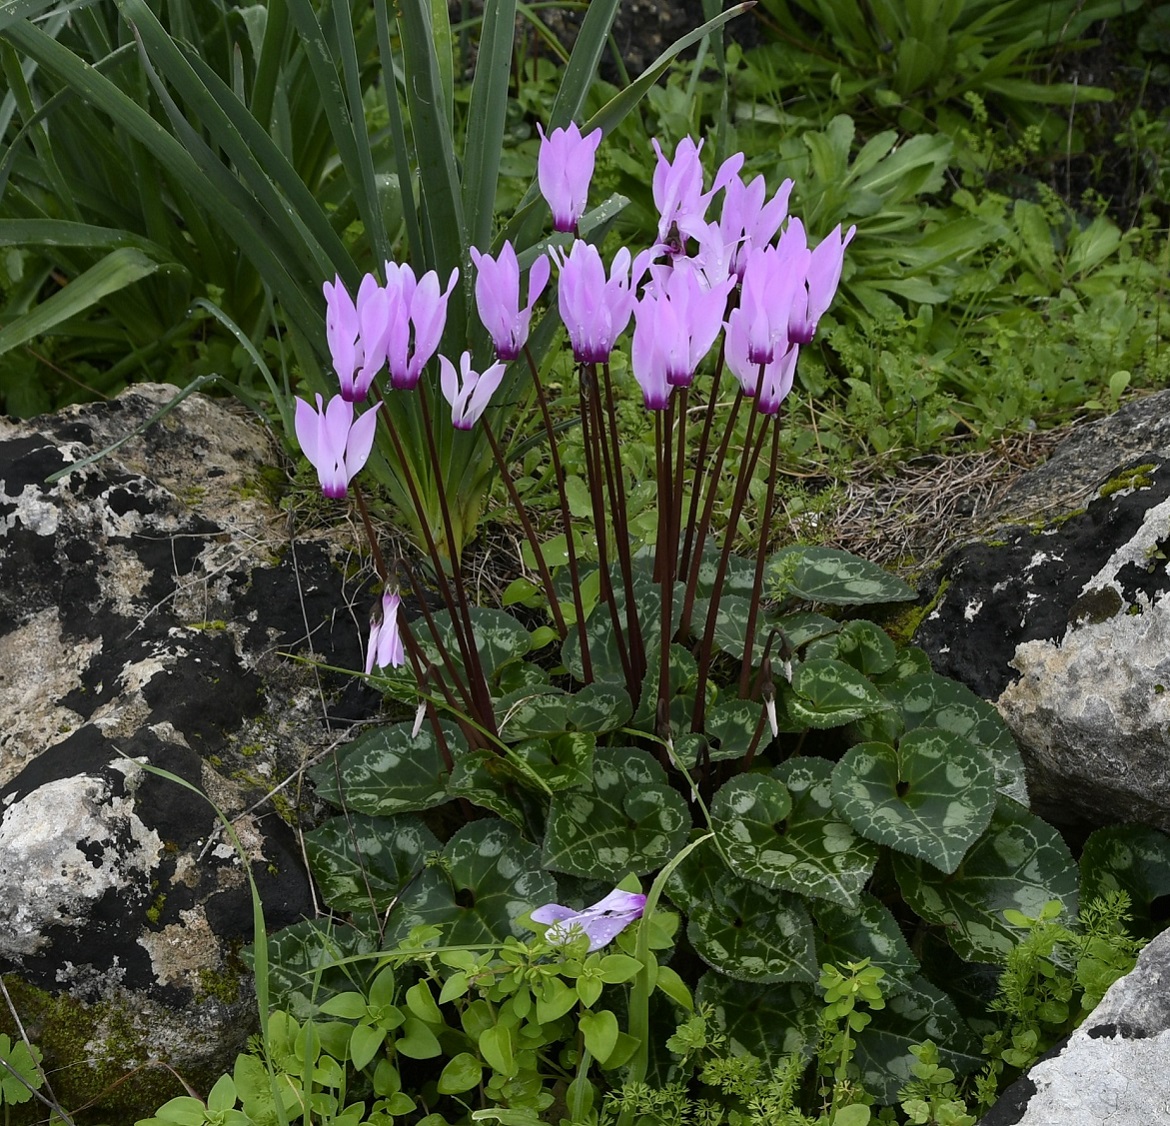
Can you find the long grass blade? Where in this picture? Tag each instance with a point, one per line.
(118, 269)
(61, 232)
(582, 66)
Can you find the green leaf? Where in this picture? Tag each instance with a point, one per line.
(740, 928)
(532, 710)
(417, 1041)
(488, 876)
(1020, 863)
(462, 1073)
(494, 782)
(931, 798)
(629, 820)
(495, 1045)
(386, 771)
(499, 639)
(768, 1021)
(599, 708)
(28, 1077)
(1130, 858)
(563, 762)
(364, 1043)
(824, 574)
(828, 693)
(600, 1030)
(930, 700)
(117, 270)
(921, 1013)
(862, 644)
(733, 724)
(364, 862)
(867, 931)
(803, 847)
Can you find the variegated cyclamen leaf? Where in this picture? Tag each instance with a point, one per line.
(731, 620)
(830, 693)
(599, 708)
(740, 928)
(824, 574)
(937, 701)
(386, 770)
(1130, 858)
(488, 877)
(532, 711)
(821, 856)
(735, 725)
(302, 963)
(364, 862)
(1020, 862)
(561, 762)
(753, 933)
(931, 797)
(767, 1021)
(684, 673)
(499, 639)
(847, 934)
(800, 628)
(494, 782)
(919, 1013)
(865, 646)
(629, 819)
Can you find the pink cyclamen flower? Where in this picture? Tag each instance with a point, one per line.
(469, 392)
(822, 275)
(336, 445)
(747, 221)
(601, 923)
(564, 168)
(415, 315)
(341, 334)
(595, 310)
(385, 648)
(678, 191)
(497, 296)
(772, 383)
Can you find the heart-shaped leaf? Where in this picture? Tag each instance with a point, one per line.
(937, 701)
(499, 639)
(561, 762)
(735, 725)
(824, 574)
(1019, 863)
(921, 1012)
(627, 820)
(1134, 859)
(488, 877)
(931, 797)
(362, 862)
(830, 693)
(870, 931)
(768, 1021)
(862, 644)
(494, 782)
(740, 928)
(385, 771)
(532, 711)
(599, 708)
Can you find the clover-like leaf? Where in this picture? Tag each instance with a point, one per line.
(627, 820)
(768, 1021)
(741, 928)
(487, 878)
(1130, 858)
(921, 1012)
(870, 931)
(931, 797)
(1020, 862)
(937, 701)
(364, 862)
(824, 574)
(829, 693)
(386, 770)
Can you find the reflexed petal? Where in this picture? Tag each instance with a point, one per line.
(360, 442)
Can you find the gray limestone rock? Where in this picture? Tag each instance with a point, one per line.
(148, 605)
(1112, 1070)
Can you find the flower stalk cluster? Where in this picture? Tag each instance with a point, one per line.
(744, 283)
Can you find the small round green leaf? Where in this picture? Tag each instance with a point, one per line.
(462, 1073)
(531, 711)
(628, 820)
(734, 725)
(931, 797)
(1020, 863)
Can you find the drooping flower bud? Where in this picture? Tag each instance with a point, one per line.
(385, 648)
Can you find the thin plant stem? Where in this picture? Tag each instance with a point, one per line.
(432, 549)
(696, 559)
(566, 519)
(700, 468)
(761, 554)
(415, 655)
(553, 604)
(477, 682)
(371, 535)
(444, 653)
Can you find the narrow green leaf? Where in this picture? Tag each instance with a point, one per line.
(117, 270)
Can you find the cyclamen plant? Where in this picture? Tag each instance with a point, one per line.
(664, 732)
